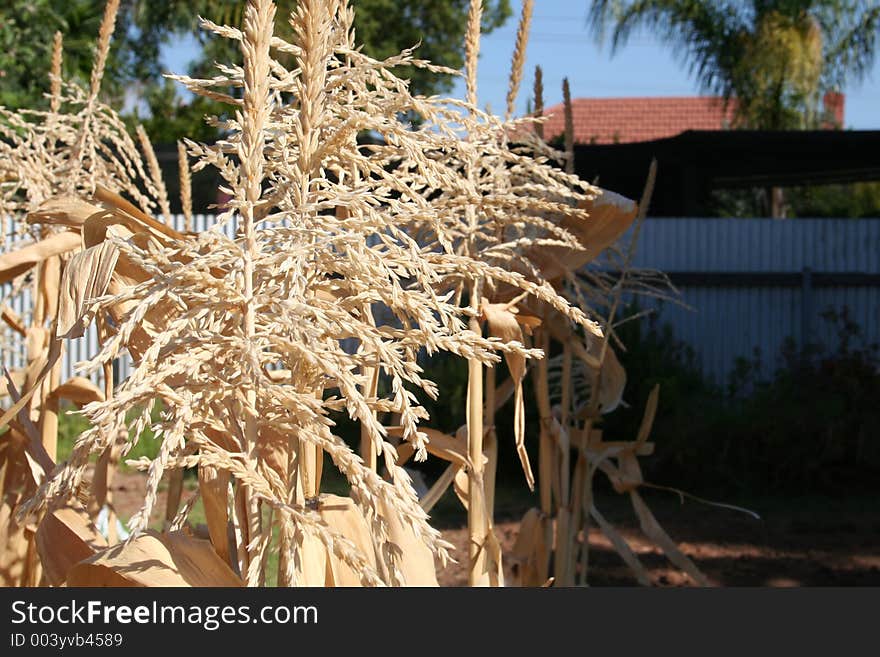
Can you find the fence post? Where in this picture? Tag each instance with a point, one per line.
(806, 307)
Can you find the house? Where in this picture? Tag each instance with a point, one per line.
(627, 120)
(691, 138)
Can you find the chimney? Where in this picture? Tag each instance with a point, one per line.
(833, 103)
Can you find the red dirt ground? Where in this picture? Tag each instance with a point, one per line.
(796, 543)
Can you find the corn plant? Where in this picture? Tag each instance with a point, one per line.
(241, 339)
(79, 146)
(575, 389)
(337, 262)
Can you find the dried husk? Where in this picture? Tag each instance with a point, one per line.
(15, 263)
(85, 278)
(154, 559)
(65, 537)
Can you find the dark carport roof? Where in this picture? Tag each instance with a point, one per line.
(697, 161)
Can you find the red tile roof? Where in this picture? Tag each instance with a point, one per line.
(619, 120)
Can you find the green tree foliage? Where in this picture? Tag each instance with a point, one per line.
(777, 58)
(385, 27)
(27, 26)
(802, 420)
(27, 29)
(856, 200)
(850, 200)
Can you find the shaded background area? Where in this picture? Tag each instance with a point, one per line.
(697, 164)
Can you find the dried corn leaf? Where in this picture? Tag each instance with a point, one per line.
(67, 211)
(344, 518)
(37, 471)
(494, 573)
(65, 537)
(273, 448)
(15, 482)
(502, 323)
(36, 341)
(623, 549)
(416, 563)
(14, 547)
(33, 444)
(648, 417)
(79, 390)
(154, 559)
(18, 379)
(85, 277)
(12, 319)
(50, 275)
(313, 567)
(610, 215)
(627, 475)
(612, 379)
(430, 499)
(13, 467)
(126, 274)
(214, 490)
(441, 445)
(614, 447)
(656, 533)
(124, 210)
(17, 262)
(529, 550)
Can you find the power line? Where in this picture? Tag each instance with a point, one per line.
(584, 37)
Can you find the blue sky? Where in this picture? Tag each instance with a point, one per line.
(562, 46)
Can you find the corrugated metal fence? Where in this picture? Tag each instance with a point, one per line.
(12, 346)
(752, 283)
(755, 282)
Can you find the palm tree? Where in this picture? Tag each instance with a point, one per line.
(776, 58)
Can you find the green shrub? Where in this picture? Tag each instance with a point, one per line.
(810, 427)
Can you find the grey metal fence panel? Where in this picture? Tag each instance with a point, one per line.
(12, 346)
(731, 319)
(697, 244)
